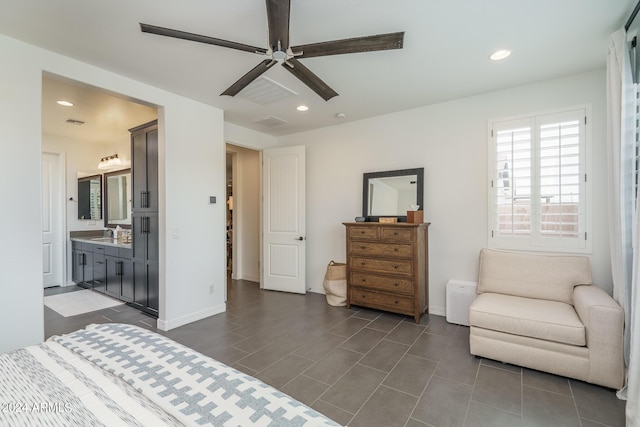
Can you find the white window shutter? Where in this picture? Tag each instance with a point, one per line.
(538, 182)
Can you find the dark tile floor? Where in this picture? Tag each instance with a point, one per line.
(367, 368)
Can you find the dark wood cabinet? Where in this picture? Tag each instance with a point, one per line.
(145, 226)
(144, 229)
(144, 160)
(99, 273)
(99, 267)
(82, 268)
(388, 267)
(119, 282)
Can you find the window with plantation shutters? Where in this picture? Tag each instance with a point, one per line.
(538, 182)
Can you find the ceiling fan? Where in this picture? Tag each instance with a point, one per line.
(280, 50)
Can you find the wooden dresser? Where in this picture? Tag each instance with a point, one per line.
(388, 267)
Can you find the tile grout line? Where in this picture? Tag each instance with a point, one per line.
(339, 378)
(575, 404)
(358, 362)
(418, 398)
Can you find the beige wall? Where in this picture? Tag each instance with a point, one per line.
(191, 167)
(450, 140)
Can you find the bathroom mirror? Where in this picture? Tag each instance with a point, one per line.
(392, 193)
(117, 203)
(90, 197)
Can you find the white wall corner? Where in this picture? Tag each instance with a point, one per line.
(167, 325)
(317, 289)
(437, 311)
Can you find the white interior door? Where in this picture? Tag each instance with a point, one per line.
(52, 241)
(283, 208)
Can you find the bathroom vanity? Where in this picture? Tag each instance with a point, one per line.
(105, 265)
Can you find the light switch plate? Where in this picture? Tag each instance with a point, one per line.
(212, 199)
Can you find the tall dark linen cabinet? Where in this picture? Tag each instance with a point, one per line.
(144, 227)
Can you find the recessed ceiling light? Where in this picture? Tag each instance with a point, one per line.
(302, 108)
(500, 54)
(65, 103)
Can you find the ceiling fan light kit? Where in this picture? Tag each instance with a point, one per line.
(278, 14)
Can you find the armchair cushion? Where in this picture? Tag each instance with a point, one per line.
(532, 276)
(535, 318)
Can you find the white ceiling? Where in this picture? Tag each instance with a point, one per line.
(445, 54)
(106, 117)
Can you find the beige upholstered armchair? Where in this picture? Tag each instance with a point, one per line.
(542, 312)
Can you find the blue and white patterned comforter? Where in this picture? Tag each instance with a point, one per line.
(115, 374)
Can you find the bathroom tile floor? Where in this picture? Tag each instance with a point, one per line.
(368, 368)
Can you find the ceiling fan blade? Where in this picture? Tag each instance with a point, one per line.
(296, 68)
(249, 77)
(278, 20)
(354, 45)
(161, 31)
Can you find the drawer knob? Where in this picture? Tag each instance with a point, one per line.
(395, 249)
(395, 233)
(363, 247)
(362, 263)
(395, 284)
(396, 266)
(361, 231)
(364, 296)
(363, 279)
(396, 301)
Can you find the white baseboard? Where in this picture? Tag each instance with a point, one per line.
(316, 289)
(248, 278)
(166, 325)
(437, 311)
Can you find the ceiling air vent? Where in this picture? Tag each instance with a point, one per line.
(75, 122)
(264, 91)
(270, 121)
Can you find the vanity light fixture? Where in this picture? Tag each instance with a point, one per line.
(500, 55)
(302, 108)
(65, 103)
(110, 162)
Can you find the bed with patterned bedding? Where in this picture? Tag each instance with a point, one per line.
(115, 374)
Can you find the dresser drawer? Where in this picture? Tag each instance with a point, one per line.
(404, 268)
(395, 234)
(381, 249)
(381, 300)
(367, 233)
(382, 283)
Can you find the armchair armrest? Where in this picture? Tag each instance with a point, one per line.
(603, 319)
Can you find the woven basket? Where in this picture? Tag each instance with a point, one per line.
(335, 284)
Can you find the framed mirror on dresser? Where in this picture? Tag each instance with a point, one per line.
(392, 193)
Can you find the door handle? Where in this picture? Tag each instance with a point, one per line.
(144, 199)
(299, 238)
